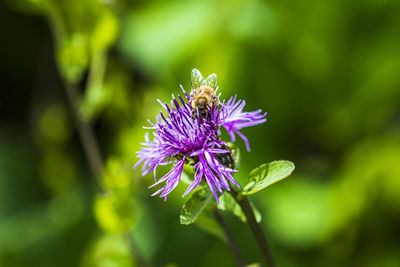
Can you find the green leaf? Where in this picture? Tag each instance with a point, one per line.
(208, 224)
(228, 203)
(195, 205)
(196, 78)
(267, 174)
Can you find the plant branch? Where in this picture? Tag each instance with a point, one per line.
(92, 152)
(244, 204)
(137, 255)
(86, 135)
(231, 242)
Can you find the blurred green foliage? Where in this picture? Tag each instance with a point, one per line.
(115, 209)
(325, 71)
(108, 251)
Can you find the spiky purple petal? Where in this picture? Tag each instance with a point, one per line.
(178, 135)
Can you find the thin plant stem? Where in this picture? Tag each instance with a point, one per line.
(247, 209)
(231, 242)
(85, 131)
(86, 135)
(92, 152)
(135, 251)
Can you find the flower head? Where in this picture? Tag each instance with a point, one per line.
(178, 138)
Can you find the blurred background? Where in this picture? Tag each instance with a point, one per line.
(327, 73)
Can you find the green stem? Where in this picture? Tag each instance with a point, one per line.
(245, 205)
(85, 131)
(135, 251)
(92, 152)
(231, 242)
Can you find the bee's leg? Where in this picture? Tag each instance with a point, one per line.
(215, 101)
(194, 113)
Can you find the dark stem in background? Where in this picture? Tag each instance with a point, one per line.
(92, 152)
(140, 261)
(231, 242)
(86, 135)
(244, 204)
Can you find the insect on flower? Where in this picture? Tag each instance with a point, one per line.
(179, 137)
(203, 95)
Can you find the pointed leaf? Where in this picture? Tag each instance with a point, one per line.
(267, 174)
(228, 203)
(195, 205)
(211, 81)
(196, 78)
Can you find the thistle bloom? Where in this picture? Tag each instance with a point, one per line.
(179, 138)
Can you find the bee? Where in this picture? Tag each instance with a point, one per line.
(203, 95)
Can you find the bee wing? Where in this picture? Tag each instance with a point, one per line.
(211, 81)
(196, 78)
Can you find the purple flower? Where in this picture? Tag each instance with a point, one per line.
(179, 138)
(233, 119)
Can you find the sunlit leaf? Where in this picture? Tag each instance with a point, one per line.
(267, 174)
(195, 205)
(228, 203)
